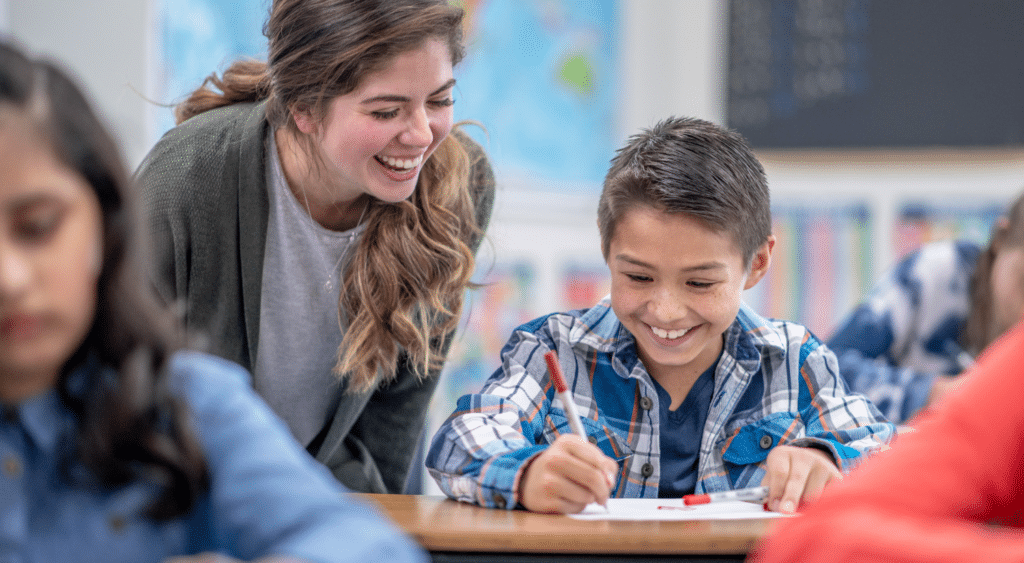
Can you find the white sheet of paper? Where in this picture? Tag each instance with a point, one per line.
(672, 509)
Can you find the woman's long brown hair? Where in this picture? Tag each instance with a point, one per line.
(404, 284)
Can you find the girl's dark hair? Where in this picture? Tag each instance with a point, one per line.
(403, 287)
(691, 166)
(129, 425)
(980, 330)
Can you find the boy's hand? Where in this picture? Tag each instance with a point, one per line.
(796, 474)
(567, 476)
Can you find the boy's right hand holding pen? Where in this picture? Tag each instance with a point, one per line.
(571, 473)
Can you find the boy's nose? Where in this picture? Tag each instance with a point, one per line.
(668, 306)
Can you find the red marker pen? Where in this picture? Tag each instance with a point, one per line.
(562, 390)
(753, 494)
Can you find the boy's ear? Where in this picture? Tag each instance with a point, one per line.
(303, 119)
(759, 262)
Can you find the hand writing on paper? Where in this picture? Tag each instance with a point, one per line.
(796, 474)
(567, 476)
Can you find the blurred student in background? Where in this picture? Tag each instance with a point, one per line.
(318, 216)
(117, 444)
(922, 324)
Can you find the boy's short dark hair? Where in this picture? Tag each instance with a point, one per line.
(687, 165)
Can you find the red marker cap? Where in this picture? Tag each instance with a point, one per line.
(690, 500)
(556, 372)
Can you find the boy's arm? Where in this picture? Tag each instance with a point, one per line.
(847, 425)
(478, 453)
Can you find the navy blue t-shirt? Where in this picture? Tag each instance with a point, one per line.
(680, 435)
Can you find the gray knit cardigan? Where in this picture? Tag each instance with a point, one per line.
(205, 193)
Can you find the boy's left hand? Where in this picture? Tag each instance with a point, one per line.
(796, 474)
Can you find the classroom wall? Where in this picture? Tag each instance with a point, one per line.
(107, 44)
(673, 61)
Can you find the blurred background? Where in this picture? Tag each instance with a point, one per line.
(882, 124)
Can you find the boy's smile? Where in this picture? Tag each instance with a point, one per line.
(677, 286)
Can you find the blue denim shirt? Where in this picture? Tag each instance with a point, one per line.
(907, 330)
(267, 495)
(775, 384)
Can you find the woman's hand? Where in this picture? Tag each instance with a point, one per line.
(796, 474)
(567, 476)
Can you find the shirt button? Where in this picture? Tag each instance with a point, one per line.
(12, 466)
(647, 470)
(117, 523)
(646, 403)
(10, 415)
(766, 442)
(592, 440)
(499, 501)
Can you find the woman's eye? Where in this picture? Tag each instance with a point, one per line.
(447, 102)
(389, 114)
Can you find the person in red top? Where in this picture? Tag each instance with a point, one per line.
(951, 491)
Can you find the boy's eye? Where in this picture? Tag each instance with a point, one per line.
(639, 278)
(700, 285)
(387, 114)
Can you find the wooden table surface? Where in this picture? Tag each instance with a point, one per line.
(441, 524)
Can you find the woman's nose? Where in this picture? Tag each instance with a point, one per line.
(418, 132)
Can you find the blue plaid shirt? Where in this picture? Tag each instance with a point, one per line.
(775, 384)
(907, 331)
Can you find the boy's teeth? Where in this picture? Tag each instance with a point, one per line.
(401, 163)
(669, 334)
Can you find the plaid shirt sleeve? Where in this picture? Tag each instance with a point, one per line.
(478, 453)
(846, 424)
(806, 404)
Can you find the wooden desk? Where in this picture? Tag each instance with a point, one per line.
(454, 531)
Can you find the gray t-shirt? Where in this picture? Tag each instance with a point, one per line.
(300, 326)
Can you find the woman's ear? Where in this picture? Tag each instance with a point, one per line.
(303, 120)
(760, 262)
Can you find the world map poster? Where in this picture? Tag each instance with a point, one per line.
(539, 76)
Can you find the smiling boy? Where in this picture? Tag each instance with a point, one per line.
(682, 388)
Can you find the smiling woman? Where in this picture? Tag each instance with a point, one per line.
(319, 215)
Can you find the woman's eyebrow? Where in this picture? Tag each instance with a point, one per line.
(402, 99)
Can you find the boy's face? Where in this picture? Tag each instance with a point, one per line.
(677, 286)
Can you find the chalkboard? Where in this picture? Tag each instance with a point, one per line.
(876, 73)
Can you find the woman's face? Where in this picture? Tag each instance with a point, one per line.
(375, 139)
(51, 237)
